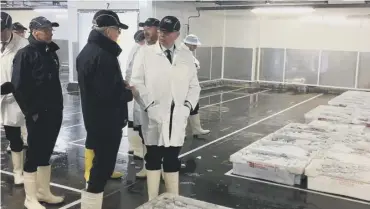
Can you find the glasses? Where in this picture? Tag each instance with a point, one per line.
(164, 33)
(46, 30)
(118, 29)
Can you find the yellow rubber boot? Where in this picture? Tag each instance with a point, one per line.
(89, 157)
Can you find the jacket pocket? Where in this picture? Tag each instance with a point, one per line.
(154, 113)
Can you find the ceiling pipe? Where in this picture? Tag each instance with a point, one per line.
(267, 2)
(190, 17)
(367, 5)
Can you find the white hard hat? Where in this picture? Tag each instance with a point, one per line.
(192, 40)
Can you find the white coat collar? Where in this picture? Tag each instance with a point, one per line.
(159, 50)
(9, 47)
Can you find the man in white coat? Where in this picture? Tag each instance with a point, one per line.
(11, 115)
(135, 144)
(150, 27)
(166, 80)
(192, 42)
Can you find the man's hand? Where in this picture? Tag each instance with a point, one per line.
(134, 91)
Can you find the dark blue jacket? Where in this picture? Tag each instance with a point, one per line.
(35, 78)
(104, 95)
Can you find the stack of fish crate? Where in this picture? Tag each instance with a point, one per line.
(171, 201)
(283, 155)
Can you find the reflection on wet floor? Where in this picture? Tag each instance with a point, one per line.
(226, 112)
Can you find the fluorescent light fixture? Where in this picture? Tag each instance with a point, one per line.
(50, 10)
(283, 10)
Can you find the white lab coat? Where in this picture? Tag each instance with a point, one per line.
(131, 105)
(11, 114)
(196, 62)
(159, 83)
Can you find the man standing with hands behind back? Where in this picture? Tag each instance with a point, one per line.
(166, 79)
(104, 98)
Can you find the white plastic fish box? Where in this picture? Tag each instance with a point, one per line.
(330, 113)
(333, 126)
(307, 128)
(301, 134)
(300, 140)
(272, 163)
(341, 178)
(170, 201)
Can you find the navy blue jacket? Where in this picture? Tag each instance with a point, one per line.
(35, 78)
(104, 95)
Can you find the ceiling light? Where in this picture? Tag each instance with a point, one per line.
(283, 10)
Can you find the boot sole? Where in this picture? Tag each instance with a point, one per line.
(46, 203)
(141, 177)
(137, 158)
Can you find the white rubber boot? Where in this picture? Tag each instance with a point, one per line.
(153, 180)
(30, 189)
(24, 135)
(8, 149)
(142, 174)
(17, 159)
(171, 181)
(91, 200)
(43, 186)
(195, 125)
(137, 145)
(130, 133)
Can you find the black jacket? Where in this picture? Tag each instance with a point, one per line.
(36, 78)
(104, 96)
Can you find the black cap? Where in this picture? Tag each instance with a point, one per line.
(41, 22)
(107, 18)
(150, 22)
(139, 36)
(6, 21)
(170, 24)
(18, 27)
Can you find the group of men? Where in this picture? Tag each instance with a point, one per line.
(159, 93)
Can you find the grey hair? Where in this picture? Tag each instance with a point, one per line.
(100, 29)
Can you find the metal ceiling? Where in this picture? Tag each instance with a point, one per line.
(29, 5)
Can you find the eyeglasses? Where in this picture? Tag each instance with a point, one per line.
(116, 28)
(46, 30)
(164, 33)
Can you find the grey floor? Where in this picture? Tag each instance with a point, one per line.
(236, 116)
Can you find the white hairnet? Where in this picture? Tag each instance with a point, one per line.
(192, 39)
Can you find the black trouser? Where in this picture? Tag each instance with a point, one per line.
(42, 136)
(105, 143)
(169, 156)
(195, 110)
(13, 134)
(140, 130)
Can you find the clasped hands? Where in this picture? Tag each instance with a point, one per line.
(134, 91)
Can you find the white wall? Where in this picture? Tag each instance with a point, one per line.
(324, 29)
(181, 10)
(75, 6)
(57, 15)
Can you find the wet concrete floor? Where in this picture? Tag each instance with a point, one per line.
(236, 117)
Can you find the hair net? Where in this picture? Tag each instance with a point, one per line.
(192, 40)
